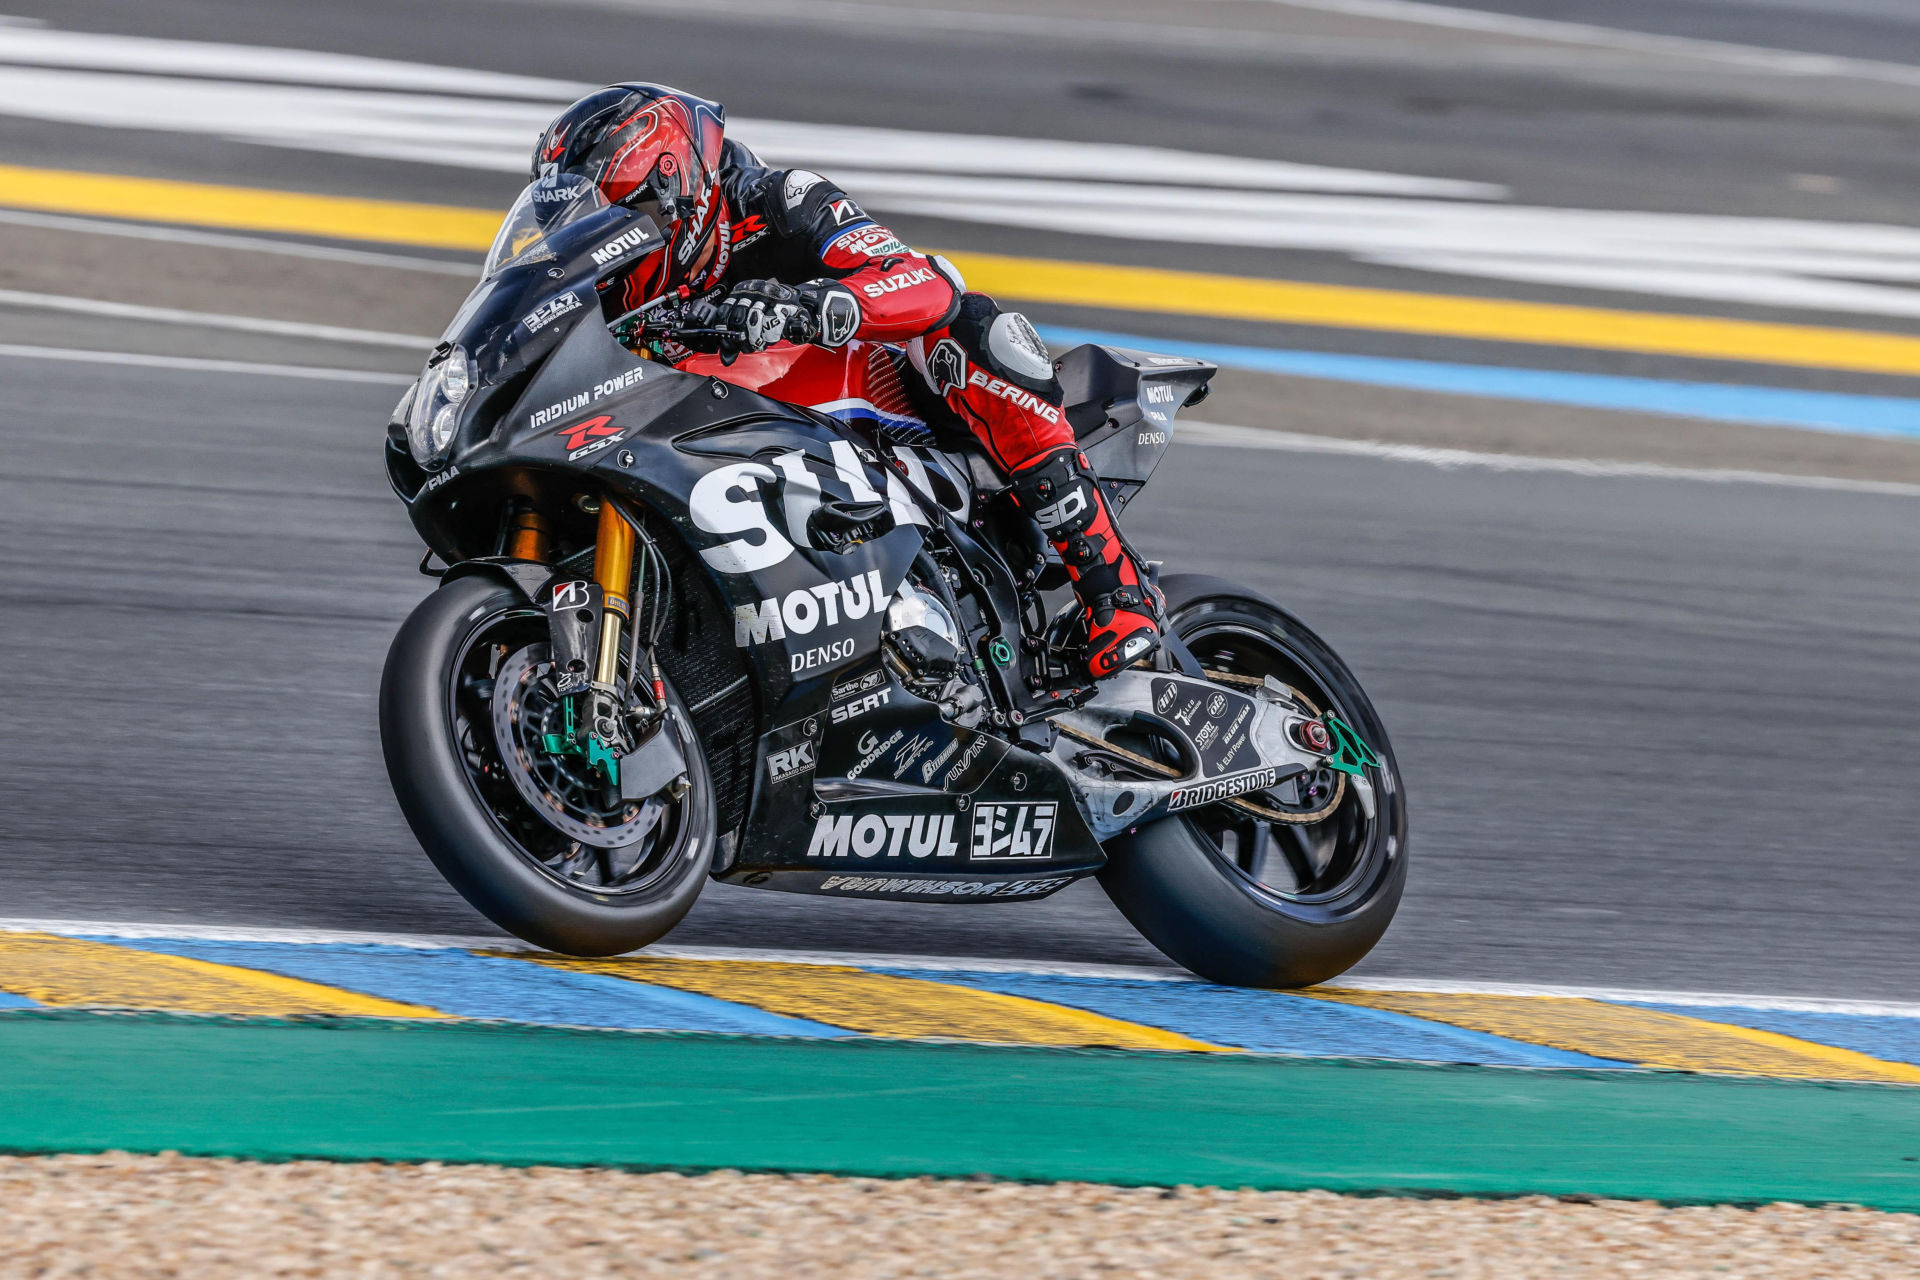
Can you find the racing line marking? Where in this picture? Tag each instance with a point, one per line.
(1086, 284)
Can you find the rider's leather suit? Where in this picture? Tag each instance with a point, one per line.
(987, 365)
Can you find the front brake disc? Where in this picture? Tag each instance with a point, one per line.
(562, 790)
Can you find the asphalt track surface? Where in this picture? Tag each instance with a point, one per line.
(1655, 732)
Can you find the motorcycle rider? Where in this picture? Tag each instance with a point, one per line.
(757, 247)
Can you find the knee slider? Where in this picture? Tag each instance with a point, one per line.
(1005, 345)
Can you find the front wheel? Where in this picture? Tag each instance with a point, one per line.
(1254, 903)
(536, 841)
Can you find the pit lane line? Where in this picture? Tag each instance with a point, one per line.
(281, 973)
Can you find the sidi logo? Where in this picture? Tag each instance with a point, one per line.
(1062, 511)
(1005, 831)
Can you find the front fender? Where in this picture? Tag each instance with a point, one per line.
(525, 576)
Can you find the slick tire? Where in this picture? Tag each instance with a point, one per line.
(1173, 882)
(458, 831)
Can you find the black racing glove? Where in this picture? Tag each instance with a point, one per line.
(832, 310)
(755, 314)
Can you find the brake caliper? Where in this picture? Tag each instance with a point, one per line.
(570, 742)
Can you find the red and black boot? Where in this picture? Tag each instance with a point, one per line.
(1124, 613)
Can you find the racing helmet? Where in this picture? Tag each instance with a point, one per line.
(651, 148)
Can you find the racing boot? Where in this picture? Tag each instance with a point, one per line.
(1124, 613)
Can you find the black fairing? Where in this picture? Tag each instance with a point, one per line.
(1122, 403)
(771, 639)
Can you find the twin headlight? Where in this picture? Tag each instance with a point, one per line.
(435, 409)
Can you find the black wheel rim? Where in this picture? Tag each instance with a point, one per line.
(1312, 868)
(598, 871)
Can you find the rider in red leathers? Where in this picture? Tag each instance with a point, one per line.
(756, 246)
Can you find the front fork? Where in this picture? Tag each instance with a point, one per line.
(613, 573)
(595, 723)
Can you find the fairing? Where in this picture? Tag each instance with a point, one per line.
(857, 786)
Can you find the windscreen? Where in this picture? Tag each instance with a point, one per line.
(546, 205)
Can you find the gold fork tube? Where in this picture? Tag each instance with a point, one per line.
(527, 535)
(613, 570)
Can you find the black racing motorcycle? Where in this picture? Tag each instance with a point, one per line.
(687, 631)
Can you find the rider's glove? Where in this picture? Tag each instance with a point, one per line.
(832, 311)
(762, 312)
(756, 314)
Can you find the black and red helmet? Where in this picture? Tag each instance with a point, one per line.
(650, 148)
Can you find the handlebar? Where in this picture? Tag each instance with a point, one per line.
(799, 327)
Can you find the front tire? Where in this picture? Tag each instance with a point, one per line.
(1266, 910)
(437, 732)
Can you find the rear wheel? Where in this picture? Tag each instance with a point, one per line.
(1247, 901)
(537, 842)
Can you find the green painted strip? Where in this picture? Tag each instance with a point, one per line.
(460, 1091)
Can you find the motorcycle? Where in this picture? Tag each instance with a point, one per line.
(715, 618)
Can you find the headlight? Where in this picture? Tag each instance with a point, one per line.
(435, 410)
(459, 371)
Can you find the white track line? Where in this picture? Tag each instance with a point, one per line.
(1786, 62)
(1222, 435)
(221, 933)
(1206, 434)
(78, 355)
(1635, 995)
(213, 320)
(49, 48)
(252, 244)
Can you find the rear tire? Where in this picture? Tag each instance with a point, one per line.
(1178, 880)
(468, 835)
